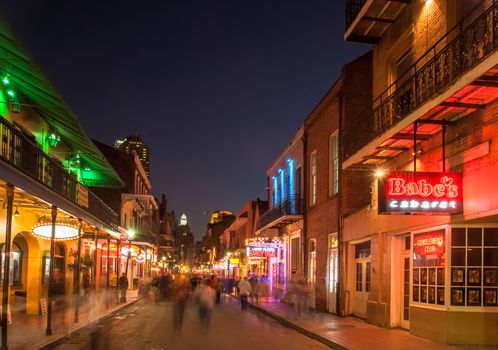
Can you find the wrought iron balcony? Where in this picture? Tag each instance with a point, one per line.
(367, 20)
(284, 213)
(353, 7)
(456, 53)
(19, 151)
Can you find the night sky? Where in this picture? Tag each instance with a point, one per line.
(216, 87)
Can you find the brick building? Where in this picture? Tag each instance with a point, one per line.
(423, 255)
(280, 229)
(349, 98)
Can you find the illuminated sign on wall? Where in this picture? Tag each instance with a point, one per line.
(421, 192)
(261, 252)
(429, 243)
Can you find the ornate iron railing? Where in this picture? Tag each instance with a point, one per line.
(462, 48)
(291, 206)
(353, 7)
(18, 150)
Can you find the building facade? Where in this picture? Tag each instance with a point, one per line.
(47, 165)
(280, 230)
(134, 143)
(423, 254)
(349, 97)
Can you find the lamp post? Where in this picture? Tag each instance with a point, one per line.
(130, 235)
(6, 267)
(48, 331)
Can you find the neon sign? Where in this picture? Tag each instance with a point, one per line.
(429, 243)
(261, 252)
(421, 192)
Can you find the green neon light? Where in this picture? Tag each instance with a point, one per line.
(11, 93)
(53, 140)
(6, 80)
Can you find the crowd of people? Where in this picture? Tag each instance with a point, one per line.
(207, 291)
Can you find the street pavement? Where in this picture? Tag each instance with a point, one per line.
(148, 325)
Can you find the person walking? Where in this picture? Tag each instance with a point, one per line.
(86, 285)
(244, 292)
(180, 292)
(205, 297)
(218, 288)
(123, 287)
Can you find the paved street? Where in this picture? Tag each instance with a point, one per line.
(147, 325)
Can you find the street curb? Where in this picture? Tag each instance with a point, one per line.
(50, 344)
(299, 329)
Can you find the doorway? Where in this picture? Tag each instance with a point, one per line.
(312, 273)
(404, 288)
(362, 279)
(333, 273)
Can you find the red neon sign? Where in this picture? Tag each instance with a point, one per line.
(421, 192)
(429, 243)
(261, 252)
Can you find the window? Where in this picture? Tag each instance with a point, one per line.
(428, 267)
(333, 164)
(474, 266)
(313, 179)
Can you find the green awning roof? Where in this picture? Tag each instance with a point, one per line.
(36, 90)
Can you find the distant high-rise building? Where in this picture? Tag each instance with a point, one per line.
(134, 143)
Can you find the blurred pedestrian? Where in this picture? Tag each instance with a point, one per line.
(180, 292)
(255, 286)
(244, 292)
(205, 297)
(123, 287)
(218, 288)
(86, 283)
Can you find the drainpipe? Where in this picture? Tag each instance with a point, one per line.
(339, 300)
(6, 267)
(305, 205)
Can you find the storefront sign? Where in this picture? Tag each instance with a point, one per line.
(234, 261)
(82, 196)
(261, 252)
(421, 192)
(429, 243)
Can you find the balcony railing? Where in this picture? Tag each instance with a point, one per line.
(290, 207)
(462, 48)
(353, 7)
(19, 151)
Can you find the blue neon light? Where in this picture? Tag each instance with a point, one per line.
(275, 191)
(292, 201)
(282, 185)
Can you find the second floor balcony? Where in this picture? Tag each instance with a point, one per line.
(18, 151)
(284, 213)
(455, 77)
(367, 20)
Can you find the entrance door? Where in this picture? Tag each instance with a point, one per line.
(333, 276)
(362, 279)
(405, 293)
(333, 273)
(312, 275)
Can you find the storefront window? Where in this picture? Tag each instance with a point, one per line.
(474, 266)
(429, 256)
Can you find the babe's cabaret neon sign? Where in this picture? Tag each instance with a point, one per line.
(398, 186)
(421, 192)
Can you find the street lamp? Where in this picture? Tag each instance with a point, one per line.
(130, 235)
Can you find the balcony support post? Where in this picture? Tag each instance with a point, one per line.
(48, 331)
(415, 146)
(443, 148)
(6, 267)
(77, 287)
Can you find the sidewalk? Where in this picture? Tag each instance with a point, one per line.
(345, 333)
(28, 331)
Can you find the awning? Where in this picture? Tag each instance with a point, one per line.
(36, 91)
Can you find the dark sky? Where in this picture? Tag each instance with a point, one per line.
(216, 87)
